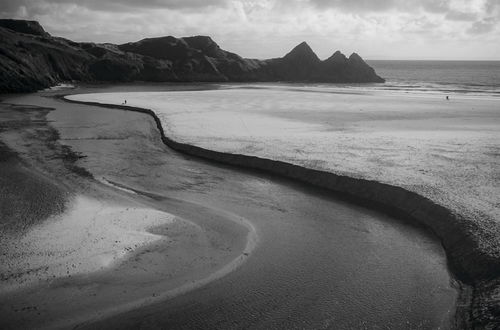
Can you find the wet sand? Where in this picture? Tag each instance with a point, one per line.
(75, 250)
(420, 142)
(27, 197)
(319, 262)
(419, 132)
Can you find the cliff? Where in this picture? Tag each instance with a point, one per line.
(32, 59)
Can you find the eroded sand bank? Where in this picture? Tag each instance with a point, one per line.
(420, 142)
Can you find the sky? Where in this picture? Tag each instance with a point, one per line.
(375, 29)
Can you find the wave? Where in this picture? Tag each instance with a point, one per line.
(390, 86)
(441, 87)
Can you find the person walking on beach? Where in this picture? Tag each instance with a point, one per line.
(447, 98)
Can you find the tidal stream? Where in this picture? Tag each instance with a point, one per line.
(319, 262)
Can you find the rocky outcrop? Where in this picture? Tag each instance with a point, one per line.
(302, 64)
(26, 27)
(352, 69)
(31, 59)
(185, 62)
(29, 62)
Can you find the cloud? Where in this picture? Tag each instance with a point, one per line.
(465, 10)
(148, 4)
(460, 16)
(435, 6)
(356, 5)
(363, 6)
(483, 26)
(34, 7)
(492, 6)
(269, 28)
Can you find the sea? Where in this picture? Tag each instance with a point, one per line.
(465, 77)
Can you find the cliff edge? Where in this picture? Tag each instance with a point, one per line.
(32, 59)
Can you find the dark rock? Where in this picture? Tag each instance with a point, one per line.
(27, 27)
(359, 71)
(301, 64)
(165, 48)
(337, 58)
(31, 62)
(302, 55)
(31, 59)
(208, 47)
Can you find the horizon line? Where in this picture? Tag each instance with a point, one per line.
(433, 59)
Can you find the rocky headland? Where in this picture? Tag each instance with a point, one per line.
(32, 59)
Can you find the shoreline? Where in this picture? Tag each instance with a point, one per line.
(227, 268)
(473, 267)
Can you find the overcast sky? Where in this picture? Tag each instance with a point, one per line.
(376, 29)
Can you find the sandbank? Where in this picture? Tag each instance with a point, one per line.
(105, 249)
(424, 151)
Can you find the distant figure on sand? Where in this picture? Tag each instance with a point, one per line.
(447, 97)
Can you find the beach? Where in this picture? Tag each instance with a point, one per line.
(353, 142)
(214, 240)
(419, 142)
(68, 239)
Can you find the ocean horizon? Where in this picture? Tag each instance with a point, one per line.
(471, 77)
